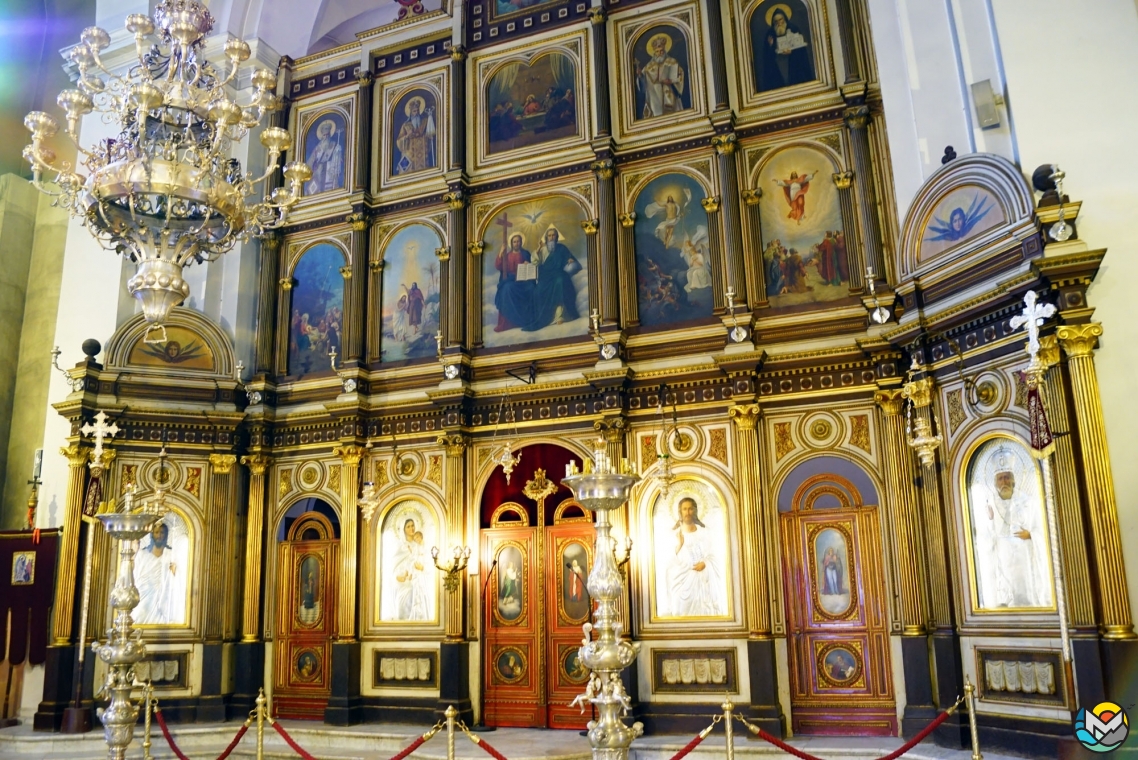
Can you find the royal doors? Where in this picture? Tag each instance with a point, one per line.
(840, 677)
(534, 606)
(306, 618)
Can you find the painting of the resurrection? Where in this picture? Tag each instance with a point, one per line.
(317, 310)
(534, 103)
(781, 46)
(1008, 528)
(832, 571)
(161, 573)
(408, 584)
(661, 68)
(535, 283)
(324, 153)
(691, 572)
(415, 131)
(410, 294)
(673, 261)
(804, 245)
(962, 214)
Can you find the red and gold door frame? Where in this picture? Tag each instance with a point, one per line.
(306, 618)
(838, 648)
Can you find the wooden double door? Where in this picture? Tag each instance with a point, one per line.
(533, 609)
(306, 618)
(839, 655)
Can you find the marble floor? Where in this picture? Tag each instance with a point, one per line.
(380, 742)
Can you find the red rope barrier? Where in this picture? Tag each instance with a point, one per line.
(410, 748)
(489, 750)
(688, 747)
(169, 739)
(174, 747)
(289, 741)
(891, 756)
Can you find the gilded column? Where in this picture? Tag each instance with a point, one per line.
(732, 221)
(221, 543)
(78, 455)
(857, 121)
(606, 241)
(934, 553)
(718, 255)
(756, 601)
(453, 494)
(899, 493)
(753, 265)
(349, 542)
(267, 303)
(1078, 343)
(258, 464)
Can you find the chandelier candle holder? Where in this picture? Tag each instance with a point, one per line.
(460, 558)
(124, 647)
(601, 488)
(165, 192)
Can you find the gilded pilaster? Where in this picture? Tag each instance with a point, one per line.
(258, 464)
(857, 121)
(933, 554)
(606, 241)
(221, 544)
(267, 303)
(1078, 343)
(733, 273)
(454, 481)
(349, 541)
(899, 494)
(454, 270)
(355, 290)
(77, 457)
(757, 597)
(1072, 531)
(753, 265)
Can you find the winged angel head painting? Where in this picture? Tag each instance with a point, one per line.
(962, 214)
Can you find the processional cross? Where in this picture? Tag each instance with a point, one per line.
(99, 431)
(539, 489)
(1031, 319)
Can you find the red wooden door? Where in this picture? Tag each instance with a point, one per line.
(839, 657)
(569, 547)
(306, 619)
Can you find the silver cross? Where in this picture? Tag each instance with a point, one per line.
(99, 431)
(1032, 319)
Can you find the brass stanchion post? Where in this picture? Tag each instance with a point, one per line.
(728, 709)
(970, 700)
(450, 714)
(148, 700)
(261, 723)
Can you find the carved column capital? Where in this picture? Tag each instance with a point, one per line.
(711, 204)
(350, 454)
(476, 248)
(920, 392)
(1079, 340)
(856, 117)
(745, 416)
(604, 169)
(77, 454)
(455, 200)
(1049, 351)
(222, 464)
(891, 400)
(843, 180)
(612, 429)
(271, 241)
(457, 53)
(453, 443)
(346, 272)
(752, 197)
(257, 463)
(364, 79)
(627, 220)
(443, 253)
(590, 226)
(597, 15)
(376, 265)
(287, 283)
(359, 222)
(725, 144)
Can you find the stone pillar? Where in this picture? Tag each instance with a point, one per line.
(355, 292)
(902, 513)
(857, 122)
(267, 305)
(454, 329)
(843, 181)
(454, 652)
(629, 309)
(250, 653)
(609, 282)
(219, 584)
(765, 708)
(600, 82)
(753, 263)
(719, 94)
(344, 705)
(1078, 343)
(734, 272)
(718, 255)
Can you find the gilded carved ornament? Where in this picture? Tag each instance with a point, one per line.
(725, 144)
(891, 401)
(710, 205)
(222, 464)
(346, 272)
(476, 248)
(443, 253)
(627, 220)
(919, 392)
(597, 15)
(612, 429)
(376, 265)
(856, 117)
(351, 455)
(1079, 340)
(358, 222)
(457, 53)
(364, 79)
(287, 283)
(1049, 351)
(455, 201)
(843, 180)
(454, 444)
(746, 416)
(605, 168)
(77, 455)
(257, 463)
(752, 197)
(590, 226)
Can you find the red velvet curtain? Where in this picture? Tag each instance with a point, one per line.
(23, 560)
(547, 456)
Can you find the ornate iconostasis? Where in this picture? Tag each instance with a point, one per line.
(555, 222)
